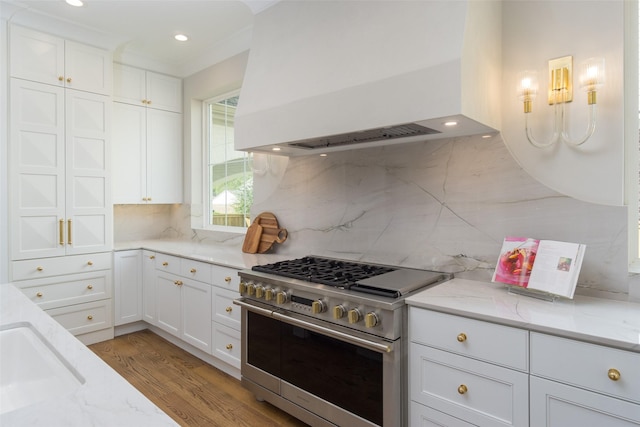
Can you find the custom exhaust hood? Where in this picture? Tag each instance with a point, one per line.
(328, 75)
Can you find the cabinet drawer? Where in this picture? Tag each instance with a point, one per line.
(476, 392)
(502, 345)
(168, 263)
(226, 344)
(423, 416)
(225, 277)
(223, 309)
(196, 270)
(82, 318)
(66, 290)
(586, 365)
(56, 266)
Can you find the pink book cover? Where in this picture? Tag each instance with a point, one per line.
(516, 261)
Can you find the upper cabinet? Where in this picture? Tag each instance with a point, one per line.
(48, 59)
(146, 88)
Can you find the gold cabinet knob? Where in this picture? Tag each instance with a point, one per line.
(462, 337)
(242, 288)
(229, 346)
(39, 294)
(165, 263)
(39, 268)
(318, 306)
(353, 315)
(281, 297)
(462, 389)
(152, 257)
(227, 279)
(228, 309)
(89, 286)
(371, 320)
(148, 102)
(60, 78)
(90, 317)
(68, 79)
(178, 282)
(193, 270)
(613, 374)
(90, 263)
(338, 311)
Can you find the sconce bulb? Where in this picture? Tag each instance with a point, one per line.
(527, 85)
(592, 74)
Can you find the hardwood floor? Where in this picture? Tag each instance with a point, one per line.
(189, 390)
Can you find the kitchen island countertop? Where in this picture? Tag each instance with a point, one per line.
(103, 399)
(600, 321)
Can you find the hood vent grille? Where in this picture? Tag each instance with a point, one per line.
(371, 135)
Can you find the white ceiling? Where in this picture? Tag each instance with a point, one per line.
(140, 32)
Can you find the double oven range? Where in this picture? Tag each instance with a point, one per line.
(324, 339)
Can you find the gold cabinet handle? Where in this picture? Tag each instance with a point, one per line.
(39, 294)
(613, 374)
(228, 309)
(193, 270)
(60, 78)
(152, 257)
(89, 286)
(227, 279)
(178, 282)
(462, 389)
(144, 101)
(69, 233)
(90, 263)
(90, 317)
(68, 79)
(165, 263)
(61, 229)
(39, 268)
(462, 337)
(148, 102)
(229, 346)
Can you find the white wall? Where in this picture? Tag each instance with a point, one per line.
(4, 231)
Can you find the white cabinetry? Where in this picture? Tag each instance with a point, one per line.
(183, 301)
(147, 136)
(149, 293)
(226, 316)
(75, 290)
(600, 386)
(470, 370)
(127, 286)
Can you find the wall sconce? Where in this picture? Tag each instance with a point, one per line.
(560, 93)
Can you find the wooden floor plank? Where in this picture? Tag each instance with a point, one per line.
(189, 390)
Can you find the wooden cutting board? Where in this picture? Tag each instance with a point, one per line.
(263, 233)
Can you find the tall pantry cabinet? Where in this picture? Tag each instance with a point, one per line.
(61, 213)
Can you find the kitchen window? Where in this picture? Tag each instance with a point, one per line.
(228, 176)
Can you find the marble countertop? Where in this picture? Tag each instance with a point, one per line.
(104, 399)
(225, 255)
(600, 321)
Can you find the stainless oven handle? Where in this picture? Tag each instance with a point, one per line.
(371, 345)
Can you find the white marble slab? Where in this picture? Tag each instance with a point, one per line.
(104, 399)
(596, 320)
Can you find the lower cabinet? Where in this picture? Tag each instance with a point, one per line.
(225, 320)
(468, 372)
(127, 285)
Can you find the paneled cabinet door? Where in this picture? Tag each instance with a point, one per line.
(149, 280)
(169, 305)
(128, 286)
(148, 89)
(164, 156)
(196, 314)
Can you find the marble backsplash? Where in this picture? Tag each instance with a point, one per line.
(443, 205)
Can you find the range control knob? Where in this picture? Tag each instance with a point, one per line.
(318, 306)
(371, 320)
(339, 311)
(242, 288)
(259, 291)
(281, 297)
(268, 294)
(354, 315)
(251, 290)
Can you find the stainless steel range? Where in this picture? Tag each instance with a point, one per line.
(324, 339)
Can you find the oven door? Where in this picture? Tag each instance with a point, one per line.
(340, 375)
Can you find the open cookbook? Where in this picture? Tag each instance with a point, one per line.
(542, 265)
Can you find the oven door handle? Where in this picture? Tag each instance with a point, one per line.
(371, 345)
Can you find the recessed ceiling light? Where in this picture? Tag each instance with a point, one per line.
(76, 3)
(181, 37)
(275, 149)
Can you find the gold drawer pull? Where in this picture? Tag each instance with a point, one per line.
(90, 317)
(89, 286)
(39, 294)
(462, 337)
(178, 282)
(193, 270)
(229, 346)
(227, 279)
(90, 263)
(61, 230)
(39, 268)
(165, 263)
(60, 78)
(614, 374)
(69, 232)
(228, 309)
(462, 389)
(68, 79)
(152, 257)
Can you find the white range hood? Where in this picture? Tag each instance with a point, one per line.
(333, 75)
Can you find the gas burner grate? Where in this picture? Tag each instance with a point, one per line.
(326, 271)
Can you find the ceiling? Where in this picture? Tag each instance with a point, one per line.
(140, 32)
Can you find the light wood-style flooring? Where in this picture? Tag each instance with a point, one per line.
(189, 390)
